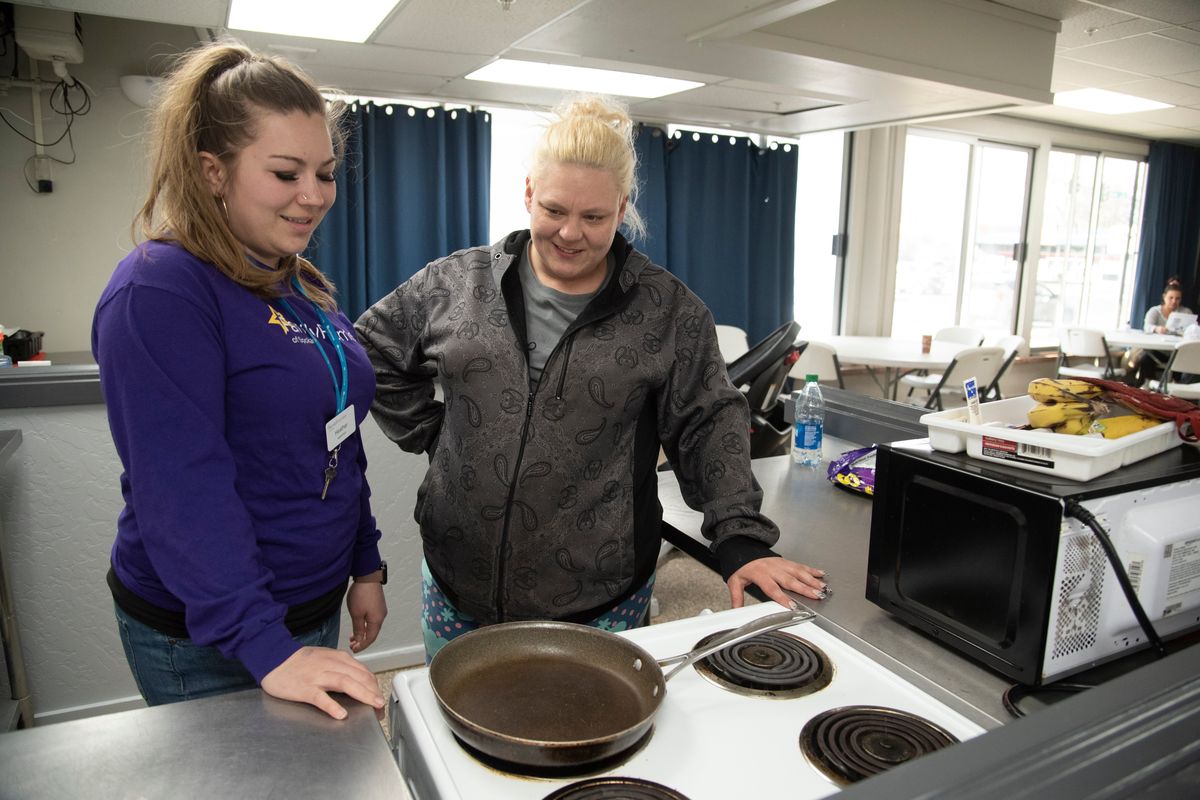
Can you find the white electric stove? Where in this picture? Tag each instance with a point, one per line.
(708, 741)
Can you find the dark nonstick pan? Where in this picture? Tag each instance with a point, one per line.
(558, 694)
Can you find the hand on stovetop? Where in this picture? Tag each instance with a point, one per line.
(777, 577)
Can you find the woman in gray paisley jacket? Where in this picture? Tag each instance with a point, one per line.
(566, 359)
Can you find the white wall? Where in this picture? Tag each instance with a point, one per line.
(60, 497)
(60, 248)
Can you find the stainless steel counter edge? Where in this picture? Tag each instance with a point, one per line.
(71, 379)
(12, 709)
(245, 744)
(9, 442)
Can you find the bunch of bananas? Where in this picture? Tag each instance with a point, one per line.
(1078, 408)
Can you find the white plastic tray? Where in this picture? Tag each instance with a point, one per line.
(1079, 458)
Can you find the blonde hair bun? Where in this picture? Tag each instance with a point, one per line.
(593, 131)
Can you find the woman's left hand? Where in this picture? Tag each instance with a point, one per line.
(367, 609)
(775, 575)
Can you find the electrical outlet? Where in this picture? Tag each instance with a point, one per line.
(42, 178)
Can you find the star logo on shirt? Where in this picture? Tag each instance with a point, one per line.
(279, 319)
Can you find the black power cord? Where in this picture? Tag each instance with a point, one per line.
(1075, 509)
(1015, 694)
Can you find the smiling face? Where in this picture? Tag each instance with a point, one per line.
(574, 213)
(278, 187)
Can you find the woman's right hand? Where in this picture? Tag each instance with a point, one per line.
(309, 674)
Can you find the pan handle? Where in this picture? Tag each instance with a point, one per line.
(770, 622)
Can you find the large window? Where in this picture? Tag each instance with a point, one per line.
(819, 185)
(962, 223)
(1090, 229)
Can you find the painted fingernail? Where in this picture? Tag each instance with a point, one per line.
(793, 605)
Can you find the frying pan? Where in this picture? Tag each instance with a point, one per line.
(560, 694)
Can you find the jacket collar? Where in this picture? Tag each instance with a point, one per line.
(629, 260)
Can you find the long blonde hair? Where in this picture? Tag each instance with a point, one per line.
(593, 131)
(211, 102)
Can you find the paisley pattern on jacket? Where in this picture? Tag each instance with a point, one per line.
(532, 499)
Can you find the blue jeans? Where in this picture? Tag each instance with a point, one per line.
(168, 670)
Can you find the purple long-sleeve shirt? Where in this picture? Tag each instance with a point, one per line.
(218, 401)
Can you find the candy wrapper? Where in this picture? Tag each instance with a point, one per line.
(854, 471)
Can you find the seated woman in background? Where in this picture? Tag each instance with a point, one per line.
(1172, 301)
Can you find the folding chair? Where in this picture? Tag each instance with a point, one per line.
(820, 360)
(1089, 344)
(732, 341)
(1185, 359)
(981, 363)
(1012, 346)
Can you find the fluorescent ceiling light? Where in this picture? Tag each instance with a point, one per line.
(346, 21)
(582, 79)
(1103, 101)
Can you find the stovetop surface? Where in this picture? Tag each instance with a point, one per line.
(707, 742)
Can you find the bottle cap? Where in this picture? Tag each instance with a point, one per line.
(810, 378)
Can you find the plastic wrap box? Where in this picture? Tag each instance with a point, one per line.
(1079, 458)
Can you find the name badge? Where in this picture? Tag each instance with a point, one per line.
(339, 428)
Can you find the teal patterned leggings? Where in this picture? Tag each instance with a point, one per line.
(441, 622)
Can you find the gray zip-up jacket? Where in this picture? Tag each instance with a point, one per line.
(544, 504)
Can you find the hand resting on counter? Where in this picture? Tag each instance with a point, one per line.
(777, 576)
(309, 674)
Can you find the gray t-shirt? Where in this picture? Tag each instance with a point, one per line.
(548, 314)
(1155, 319)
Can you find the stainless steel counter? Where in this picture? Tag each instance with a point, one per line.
(73, 378)
(244, 744)
(16, 706)
(827, 527)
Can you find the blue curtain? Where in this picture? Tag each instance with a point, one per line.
(729, 214)
(413, 187)
(1170, 240)
(651, 146)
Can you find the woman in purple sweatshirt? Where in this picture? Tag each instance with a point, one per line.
(235, 389)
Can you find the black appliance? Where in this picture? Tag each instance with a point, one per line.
(986, 558)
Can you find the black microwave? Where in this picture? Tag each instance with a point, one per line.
(983, 558)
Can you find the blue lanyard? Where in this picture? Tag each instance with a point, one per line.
(340, 388)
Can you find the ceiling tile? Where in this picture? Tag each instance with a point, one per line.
(1178, 12)
(1053, 9)
(740, 99)
(1067, 69)
(1162, 90)
(1148, 54)
(1177, 117)
(1190, 78)
(1104, 24)
(205, 13)
(1182, 34)
(469, 26)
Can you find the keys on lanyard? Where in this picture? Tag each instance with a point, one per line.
(330, 471)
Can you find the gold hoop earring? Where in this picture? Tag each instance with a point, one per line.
(224, 207)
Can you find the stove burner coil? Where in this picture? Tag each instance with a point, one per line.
(564, 772)
(775, 663)
(615, 789)
(855, 742)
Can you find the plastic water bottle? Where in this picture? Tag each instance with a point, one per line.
(809, 424)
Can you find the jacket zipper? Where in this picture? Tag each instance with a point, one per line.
(501, 576)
